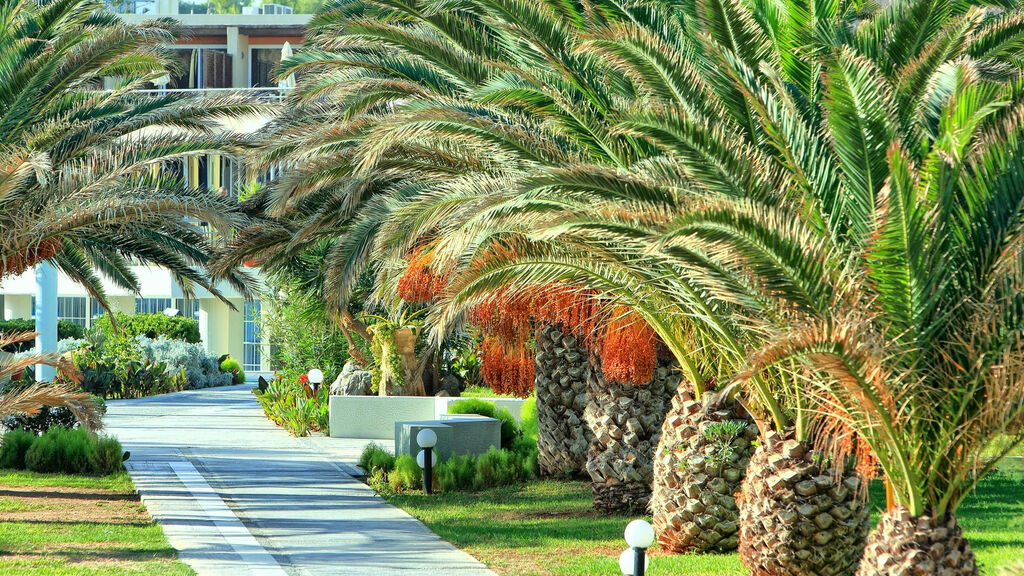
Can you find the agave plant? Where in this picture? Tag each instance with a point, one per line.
(80, 182)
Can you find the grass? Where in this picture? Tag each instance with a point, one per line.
(482, 392)
(550, 528)
(59, 525)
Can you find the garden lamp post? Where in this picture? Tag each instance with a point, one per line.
(427, 439)
(639, 537)
(316, 377)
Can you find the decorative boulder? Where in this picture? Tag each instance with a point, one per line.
(353, 381)
(450, 385)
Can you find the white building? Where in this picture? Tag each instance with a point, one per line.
(218, 52)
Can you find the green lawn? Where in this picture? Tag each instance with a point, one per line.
(57, 525)
(549, 527)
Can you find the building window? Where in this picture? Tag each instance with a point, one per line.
(72, 309)
(200, 68)
(264, 61)
(152, 305)
(251, 341)
(95, 310)
(188, 307)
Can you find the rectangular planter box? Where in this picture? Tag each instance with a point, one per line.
(374, 417)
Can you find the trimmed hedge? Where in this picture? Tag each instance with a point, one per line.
(65, 329)
(153, 326)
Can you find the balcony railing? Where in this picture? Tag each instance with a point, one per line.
(262, 93)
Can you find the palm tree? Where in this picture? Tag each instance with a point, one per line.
(30, 400)
(80, 183)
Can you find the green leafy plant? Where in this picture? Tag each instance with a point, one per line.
(65, 330)
(374, 457)
(510, 429)
(233, 367)
(152, 326)
(406, 474)
(528, 418)
(13, 446)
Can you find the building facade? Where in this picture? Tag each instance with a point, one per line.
(217, 52)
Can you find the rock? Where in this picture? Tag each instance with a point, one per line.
(353, 381)
(450, 385)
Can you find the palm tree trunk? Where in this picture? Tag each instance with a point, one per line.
(698, 471)
(902, 545)
(797, 519)
(563, 436)
(626, 420)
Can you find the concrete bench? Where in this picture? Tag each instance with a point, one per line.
(458, 434)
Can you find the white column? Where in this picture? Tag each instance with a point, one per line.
(46, 317)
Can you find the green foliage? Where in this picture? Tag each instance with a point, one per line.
(457, 473)
(107, 456)
(120, 369)
(233, 367)
(201, 370)
(65, 330)
(302, 337)
(721, 435)
(406, 474)
(152, 326)
(13, 446)
(289, 404)
(374, 457)
(387, 360)
(47, 418)
(509, 427)
(61, 450)
(528, 418)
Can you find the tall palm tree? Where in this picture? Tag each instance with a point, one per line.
(80, 181)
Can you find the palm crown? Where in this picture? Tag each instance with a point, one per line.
(80, 183)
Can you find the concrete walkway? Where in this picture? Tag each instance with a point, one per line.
(238, 496)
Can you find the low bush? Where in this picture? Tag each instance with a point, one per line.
(107, 456)
(293, 406)
(460, 473)
(65, 330)
(406, 474)
(231, 366)
(374, 456)
(119, 368)
(201, 370)
(509, 427)
(152, 326)
(61, 451)
(13, 446)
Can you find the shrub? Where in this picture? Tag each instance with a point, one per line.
(457, 473)
(528, 418)
(406, 474)
(152, 326)
(289, 404)
(231, 366)
(61, 450)
(13, 446)
(71, 344)
(107, 456)
(509, 427)
(374, 456)
(201, 370)
(65, 330)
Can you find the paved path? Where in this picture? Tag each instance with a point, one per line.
(238, 496)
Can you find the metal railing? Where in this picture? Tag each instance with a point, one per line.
(267, 93)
